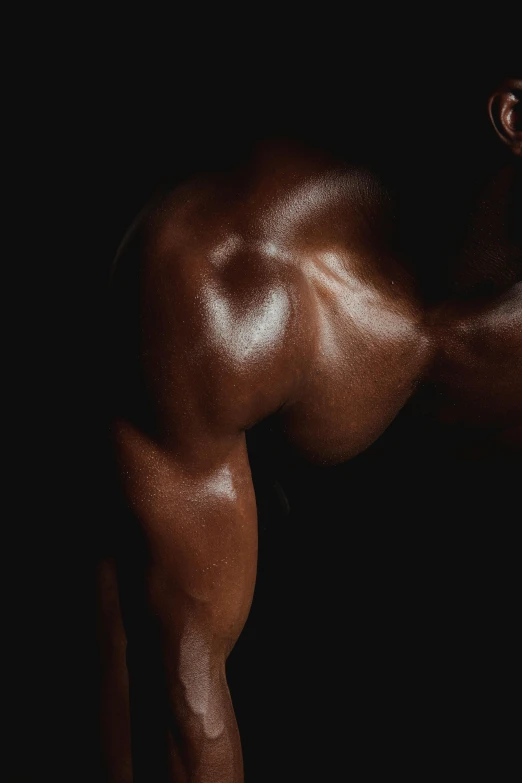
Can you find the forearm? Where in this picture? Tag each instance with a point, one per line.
(204, 745)
(183, 724)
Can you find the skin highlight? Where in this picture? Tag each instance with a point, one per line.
(283, 291)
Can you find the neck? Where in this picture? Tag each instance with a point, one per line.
(464, 232)
(487, 255)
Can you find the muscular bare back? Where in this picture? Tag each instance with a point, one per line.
(280, 292)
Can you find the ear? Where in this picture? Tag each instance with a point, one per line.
(505, 111)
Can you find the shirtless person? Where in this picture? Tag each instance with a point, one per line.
(289, 290)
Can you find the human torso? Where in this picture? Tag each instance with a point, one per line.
(457, 364)
(378, 342)
(384, 462)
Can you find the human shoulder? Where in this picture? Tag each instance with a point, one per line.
(220, 306)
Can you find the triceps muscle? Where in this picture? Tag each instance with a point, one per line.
(197, 520)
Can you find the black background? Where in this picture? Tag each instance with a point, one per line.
(105, 127)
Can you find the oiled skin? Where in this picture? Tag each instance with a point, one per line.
(279, 290)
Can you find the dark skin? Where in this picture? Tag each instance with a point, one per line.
(282, 290)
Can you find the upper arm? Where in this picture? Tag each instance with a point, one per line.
(198, 354)
(197, 523)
